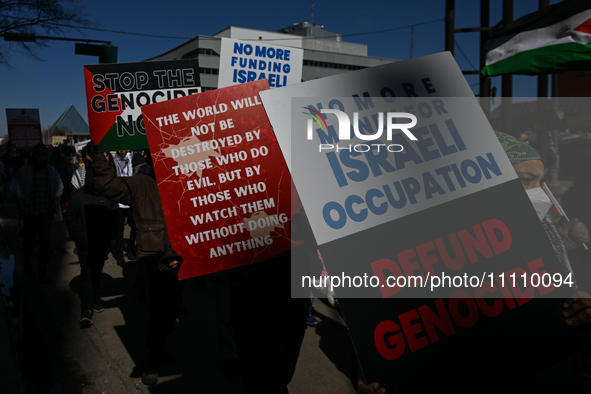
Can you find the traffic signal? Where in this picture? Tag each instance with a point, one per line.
(22, 37)
(107, 53)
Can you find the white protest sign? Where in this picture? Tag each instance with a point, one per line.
(347, 186)
(80, 145)
(247, 61)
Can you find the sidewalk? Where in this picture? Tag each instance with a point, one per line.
(56, 356)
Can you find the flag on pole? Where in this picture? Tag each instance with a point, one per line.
(554, 39)
(556, 210)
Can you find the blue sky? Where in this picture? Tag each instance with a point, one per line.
(55, 80)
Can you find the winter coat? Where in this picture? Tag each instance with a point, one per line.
(91, 220)
(141, 193)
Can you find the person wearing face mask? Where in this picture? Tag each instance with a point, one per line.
(530, 170)
(529, 167)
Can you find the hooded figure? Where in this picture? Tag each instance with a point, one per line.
(92, 223)
(166, 291)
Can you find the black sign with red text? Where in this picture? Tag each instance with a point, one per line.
(479, 334)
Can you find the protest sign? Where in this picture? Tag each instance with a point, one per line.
(80, 145)
(115, 94)
(24, 127)
(396, 206)
(223, 183)
(246, 61)
(388, 171)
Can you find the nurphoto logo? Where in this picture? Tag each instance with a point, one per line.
(344, 129)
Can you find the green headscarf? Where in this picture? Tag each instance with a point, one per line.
(517, 150)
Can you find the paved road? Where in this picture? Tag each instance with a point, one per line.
(56, 356)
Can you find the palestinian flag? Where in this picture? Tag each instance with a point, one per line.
(556, 210)
(552, 40)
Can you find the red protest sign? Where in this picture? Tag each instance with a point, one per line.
(223, 182)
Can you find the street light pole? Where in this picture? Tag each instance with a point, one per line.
(107, 52)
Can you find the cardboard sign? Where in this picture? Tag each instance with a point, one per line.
(246, 61)
(383, 206)
(115, 94)
(223, 183)
(24, 127)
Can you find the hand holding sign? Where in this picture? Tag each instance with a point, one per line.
(92, 150)
(369, 388)
(577, 309)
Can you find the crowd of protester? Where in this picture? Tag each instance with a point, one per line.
(98, 194)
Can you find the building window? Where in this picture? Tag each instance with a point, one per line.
(212, 71)
(314, 63)
(207, 51)
(199, 51)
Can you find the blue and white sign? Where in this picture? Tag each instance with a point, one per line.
(247, 61)
(424, 142)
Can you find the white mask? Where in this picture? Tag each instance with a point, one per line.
(540, 201)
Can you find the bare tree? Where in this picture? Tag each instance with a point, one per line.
(50, 131)
(40, 17)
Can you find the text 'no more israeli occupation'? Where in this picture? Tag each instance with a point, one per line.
(438, 139)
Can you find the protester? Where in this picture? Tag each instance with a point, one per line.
(153, 252)
(138, 161)
(6, 158)
(79, 177)
(267, 360)
(270, 360)
(90, 218)
(58, 160)
(577, 204)
(531, 172)
(576, 201)
(221, 291)
(123, 164)
(37, 187)
(77, 164)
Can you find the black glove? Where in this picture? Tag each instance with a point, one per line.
(168, 256)
(92, 149)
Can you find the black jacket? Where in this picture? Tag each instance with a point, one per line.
(91, 220)
(141, 193)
